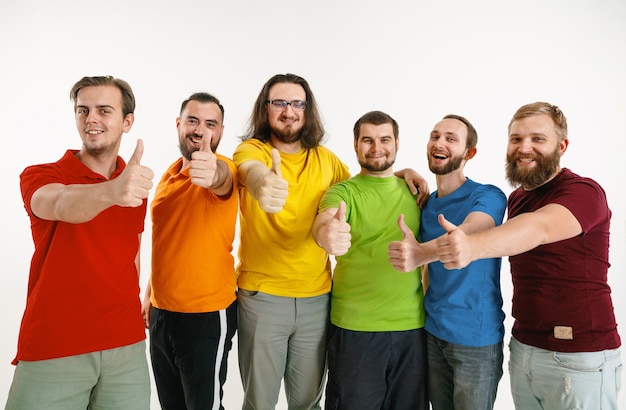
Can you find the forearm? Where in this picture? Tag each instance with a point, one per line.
(251, 176)
(72, 203)
(223, 183)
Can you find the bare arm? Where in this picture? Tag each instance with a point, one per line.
(406, 255)
(266, 185)
(146, 305)
(82, 202)
(331, 231)
(417, 184)
(549, 224)
(208, 172)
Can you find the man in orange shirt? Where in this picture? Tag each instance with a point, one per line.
(190, 304)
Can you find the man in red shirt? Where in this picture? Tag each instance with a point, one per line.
(82, 340)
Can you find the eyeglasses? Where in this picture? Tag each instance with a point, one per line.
(296, 105)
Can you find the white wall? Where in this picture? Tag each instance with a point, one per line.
(416, 60)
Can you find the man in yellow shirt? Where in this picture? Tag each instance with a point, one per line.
(284, 276)
(190, 304)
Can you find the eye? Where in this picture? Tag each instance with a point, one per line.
(279, 103)
(298, 104)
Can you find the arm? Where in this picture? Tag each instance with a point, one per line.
(417, 184)
(406, 255)
(208, 172)
(549, 224)
(80, 203)
(266, 185)
(146, 305)
(331, 231)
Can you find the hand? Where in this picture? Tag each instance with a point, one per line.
(404, 255)
(335, 236)
(132, 186)
(454, 249)
(146, 308)
(203, 164)
(273, 190)
(417, 184)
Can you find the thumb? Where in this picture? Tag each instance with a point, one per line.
(205, 145)
(137, 154)
(445, 224)
(276, 162)
(341, 212)
(406, 231)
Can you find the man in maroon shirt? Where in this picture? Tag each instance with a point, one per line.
(564, 346)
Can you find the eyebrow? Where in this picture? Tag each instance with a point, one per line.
(193, 117)
(97, 106)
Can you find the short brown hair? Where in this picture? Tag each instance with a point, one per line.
(128, 98)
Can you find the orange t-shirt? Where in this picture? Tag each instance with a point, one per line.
(192, 235)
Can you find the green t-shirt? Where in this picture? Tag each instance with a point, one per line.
(368, 294)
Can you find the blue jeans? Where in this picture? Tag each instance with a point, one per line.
(282, 337)
(463, 377)
(541, 379)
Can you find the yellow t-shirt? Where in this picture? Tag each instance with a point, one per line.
(277, 253)
(193, 270)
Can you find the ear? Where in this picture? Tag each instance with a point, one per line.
(563, 146)
(470, 153)
(128, 122)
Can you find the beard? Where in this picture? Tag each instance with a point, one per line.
(101, 150)
(287, 135)
(545, 167)
(380, 167)
(453, 164)
(186, 149)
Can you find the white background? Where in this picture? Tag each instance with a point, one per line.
(416, 60)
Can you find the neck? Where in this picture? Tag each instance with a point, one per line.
(103, 164)
(286, 147)
(381, 174)
(448, 183)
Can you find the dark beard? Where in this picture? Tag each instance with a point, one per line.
(186, 150)
(545, 168)
(453, 164)
(377, 168)
(287, 135)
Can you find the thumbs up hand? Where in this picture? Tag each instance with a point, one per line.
(203, 164)
(335, 235)
(454, 248)
(132, 186)
(273, 192)
(406, 255)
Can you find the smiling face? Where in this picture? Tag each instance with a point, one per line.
(447, 146)
(376, 148)
(197, 121)
(100, 120)
(534, 151)
(285, 123)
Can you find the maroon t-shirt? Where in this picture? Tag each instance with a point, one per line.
(563, 285)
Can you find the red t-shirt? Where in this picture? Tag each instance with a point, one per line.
(564, 284)
(83, 289)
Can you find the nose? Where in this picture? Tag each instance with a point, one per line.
(526, 145)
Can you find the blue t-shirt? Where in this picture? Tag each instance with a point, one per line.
(464, 306)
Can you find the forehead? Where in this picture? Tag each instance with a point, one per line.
(376, 131)
(451, 125)
(203, 110)
(287, 91)
(536, 124)
(99, 95)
